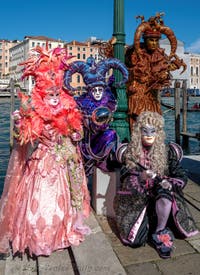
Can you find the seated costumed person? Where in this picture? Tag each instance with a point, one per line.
(45, 198)
(100, 146)
(150, 204)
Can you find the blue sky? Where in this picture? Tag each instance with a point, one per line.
(80, 19)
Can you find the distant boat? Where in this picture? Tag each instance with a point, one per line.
(194, 108)
(6, 94)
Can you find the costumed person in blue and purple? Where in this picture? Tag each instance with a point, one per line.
(150, 205)
(100, 146)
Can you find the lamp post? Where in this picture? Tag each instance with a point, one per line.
(120, 123)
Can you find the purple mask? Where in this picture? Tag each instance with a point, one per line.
(148, 130)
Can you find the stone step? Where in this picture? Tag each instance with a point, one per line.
(20, 266)
(94, 256)
(58, 263)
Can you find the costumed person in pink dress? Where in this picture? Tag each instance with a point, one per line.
(150, 205)
(45, 198)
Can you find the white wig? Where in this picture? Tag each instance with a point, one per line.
(157, 153)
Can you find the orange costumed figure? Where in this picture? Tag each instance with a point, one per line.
(149, 66)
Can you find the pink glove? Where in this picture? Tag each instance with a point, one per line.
(76, 136)
(16, 117)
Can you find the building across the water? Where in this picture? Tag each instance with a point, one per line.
(14, 52)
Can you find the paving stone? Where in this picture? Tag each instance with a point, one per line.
(195, 213)
(114, 240)
(194, 199)
(143, 269)
(2, 267)
(58, 263)
(182, 247)
(192, 191)
(196, 237)
(184, 265)
(95, 255)
(129, 256)
(92, 222)
(102, 253)
(103, 221)
(198, 226)
(20, 266)
(195, 244)
(191, 187)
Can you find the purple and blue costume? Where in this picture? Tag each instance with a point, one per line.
(100, 146)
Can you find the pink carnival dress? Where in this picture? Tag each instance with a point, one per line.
(45, 198)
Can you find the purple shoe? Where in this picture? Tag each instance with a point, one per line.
(163, 242)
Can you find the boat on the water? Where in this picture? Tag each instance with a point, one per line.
(194, 108)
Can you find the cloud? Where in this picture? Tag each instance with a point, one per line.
(194, 47)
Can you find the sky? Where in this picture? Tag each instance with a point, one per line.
(81, 19)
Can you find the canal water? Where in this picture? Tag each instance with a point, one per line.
(193, 122)
(5, 108)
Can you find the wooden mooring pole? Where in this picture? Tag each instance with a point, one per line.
(185, 140)
(184, 106)
(12, 106)
(177, 112)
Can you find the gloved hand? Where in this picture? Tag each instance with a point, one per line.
(148, 174)
(76, 136)
(165, 184)
(101, 115)
(16, 117)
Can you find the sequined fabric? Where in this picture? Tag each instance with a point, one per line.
(45, 198)
(100, 141)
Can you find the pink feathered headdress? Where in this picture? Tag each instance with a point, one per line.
(47, 67)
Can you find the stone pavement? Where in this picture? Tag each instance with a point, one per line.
(94, 256)
(102, 253)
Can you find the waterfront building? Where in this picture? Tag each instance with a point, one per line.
(5, 45)
(194, 70)
(19, 53)
(79, 50)
(4, 83)
(177, 75)
(14, 52)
